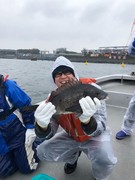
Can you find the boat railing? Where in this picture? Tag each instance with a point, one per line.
(120, 77)
(118, 99)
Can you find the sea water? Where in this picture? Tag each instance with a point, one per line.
(35, 76)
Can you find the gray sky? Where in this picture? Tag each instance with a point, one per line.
(71, 24)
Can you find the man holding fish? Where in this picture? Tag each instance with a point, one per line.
(81, 112)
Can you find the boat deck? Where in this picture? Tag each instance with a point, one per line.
(123, 149)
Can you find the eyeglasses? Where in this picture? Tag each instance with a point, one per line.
(59, 74)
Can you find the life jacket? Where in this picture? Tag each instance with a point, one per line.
(1, 80)
(2, 95)
(3, 115)
(87, 80)
(72, 125)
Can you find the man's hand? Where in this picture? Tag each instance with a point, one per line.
(43, 114)
(89, 107)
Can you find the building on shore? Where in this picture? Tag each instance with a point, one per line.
(113, 54)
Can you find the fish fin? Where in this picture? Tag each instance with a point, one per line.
(76, 108)
(68, 85)
(30, 108)
(63, 87)
(52, 95)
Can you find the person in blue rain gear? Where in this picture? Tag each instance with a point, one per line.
(88, 134)
(17, 134)
(129, 117)
(131, 48)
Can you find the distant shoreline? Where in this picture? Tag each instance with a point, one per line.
(128, 60)
(81, 59)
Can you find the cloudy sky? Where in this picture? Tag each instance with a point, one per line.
(71, 24)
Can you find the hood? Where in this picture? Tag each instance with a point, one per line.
(62, 61)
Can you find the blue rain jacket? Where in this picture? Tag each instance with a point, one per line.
(131, 48)
(13, 127)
